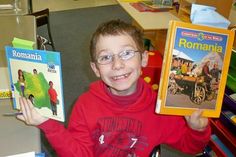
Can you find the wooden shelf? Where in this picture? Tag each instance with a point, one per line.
(224, 135)
(186, 9)
(222, 7)
(216, 149)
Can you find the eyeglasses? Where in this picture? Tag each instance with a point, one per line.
(124, 56)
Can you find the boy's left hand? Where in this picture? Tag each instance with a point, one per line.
(196, 121)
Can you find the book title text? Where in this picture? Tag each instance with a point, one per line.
(200, 46)
(34, 56)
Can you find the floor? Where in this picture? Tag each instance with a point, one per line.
(57, 5)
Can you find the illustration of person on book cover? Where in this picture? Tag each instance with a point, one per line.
(206, 74)
(53, 98)
(200, 57)
(21, 80)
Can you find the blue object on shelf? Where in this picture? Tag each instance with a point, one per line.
(221, 145)
(207, 15)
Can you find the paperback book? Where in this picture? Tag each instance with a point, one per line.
(148, 6)
(194, 69)
(37, 76)
(159, 4)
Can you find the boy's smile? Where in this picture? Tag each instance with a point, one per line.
(119, 75)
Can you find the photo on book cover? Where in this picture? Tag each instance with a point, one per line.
(195, 75)
(197, 64)
(37, 75)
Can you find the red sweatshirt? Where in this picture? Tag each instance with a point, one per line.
(53, 95)
(103, 125)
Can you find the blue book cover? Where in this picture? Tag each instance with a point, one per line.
(196, 61)
(37, 75)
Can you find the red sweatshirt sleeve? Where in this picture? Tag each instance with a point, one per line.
(185, 139)
(71, 142)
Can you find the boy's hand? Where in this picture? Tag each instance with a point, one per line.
(196, 121)
(30, 116)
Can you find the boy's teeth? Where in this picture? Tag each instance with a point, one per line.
(120, 77)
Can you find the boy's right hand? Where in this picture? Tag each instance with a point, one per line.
(30, 116)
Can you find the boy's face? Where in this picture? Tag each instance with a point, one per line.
(120, 75)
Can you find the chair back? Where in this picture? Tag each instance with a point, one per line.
(42, 17)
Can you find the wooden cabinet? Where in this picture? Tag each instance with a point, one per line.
(223, 7)
(225, 135)
(185, 9)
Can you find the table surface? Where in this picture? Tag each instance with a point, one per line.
(11, 26)
(15, 136)
(148, 21)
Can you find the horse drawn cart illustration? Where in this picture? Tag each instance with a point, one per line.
(196, 88)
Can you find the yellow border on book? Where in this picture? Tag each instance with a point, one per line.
(162, 93)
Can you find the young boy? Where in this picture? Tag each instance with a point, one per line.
(116, 118)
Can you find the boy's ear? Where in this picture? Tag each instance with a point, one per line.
(95, 69)
(144, 61)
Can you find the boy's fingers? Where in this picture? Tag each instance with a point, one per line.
(197, 114)
(187, 118)
(21, 117)
(194, 116)
(22, 107)
(31, 106)
(26, 107)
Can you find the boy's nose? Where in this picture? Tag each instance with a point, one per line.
(117, 63)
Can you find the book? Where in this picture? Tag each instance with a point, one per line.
(28, 154)
(5, 94)
(149, 6)
(194, 69)
(37, 75)
(159, 4)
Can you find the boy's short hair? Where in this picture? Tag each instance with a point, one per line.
(116, 27)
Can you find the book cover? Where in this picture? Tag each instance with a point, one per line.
(37, 75)
(158, 4)
(148, 6)
(194, 69)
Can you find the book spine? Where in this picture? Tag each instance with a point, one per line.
(164, 73)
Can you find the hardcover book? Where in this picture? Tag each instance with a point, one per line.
(37, 76)
(194, 69)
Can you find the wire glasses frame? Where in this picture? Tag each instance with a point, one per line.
(109, 58)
